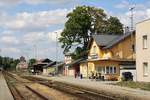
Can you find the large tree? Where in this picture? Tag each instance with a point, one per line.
(82, 23)
(114, 26)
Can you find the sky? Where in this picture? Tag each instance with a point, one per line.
(29, 27)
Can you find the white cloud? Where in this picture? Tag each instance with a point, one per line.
(148, 12)
(123, 4)
(9, 40)
(7, 32)
(48, 1)
(34, 37)
(10, 50)
(141, 12)
(35, 21)
(9, 2)
(52, 35)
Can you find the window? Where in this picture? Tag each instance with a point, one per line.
(145, 69)
(98, 69)
(115, 70)
(145, 42)
(111, 70)
(94, 50)
(103, 70)
(107, 70)
(133, 47)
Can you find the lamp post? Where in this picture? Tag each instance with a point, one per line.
(56, 52)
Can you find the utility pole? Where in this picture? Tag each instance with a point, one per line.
(132, 30)
(56, 51)
(131, 17)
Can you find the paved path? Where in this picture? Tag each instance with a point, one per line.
(105, 87)
(5, 93)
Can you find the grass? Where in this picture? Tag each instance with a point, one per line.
(136, 85)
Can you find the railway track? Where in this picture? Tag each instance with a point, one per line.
(74, 91)
(23, 89)
(20, 89)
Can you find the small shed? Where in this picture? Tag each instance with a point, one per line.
(47, 68)
(55, 68)
(39, 65)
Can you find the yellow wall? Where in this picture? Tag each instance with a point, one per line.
(98, 51)
(84, 69)
(124, 49)
(120, 50)
(93, 64)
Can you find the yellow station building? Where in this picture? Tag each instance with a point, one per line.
(107, 53)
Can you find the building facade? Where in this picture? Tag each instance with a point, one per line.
(143, 51)
(68, 71)
(22, 65)
(107, 53)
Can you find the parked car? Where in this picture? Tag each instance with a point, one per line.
(127, 76)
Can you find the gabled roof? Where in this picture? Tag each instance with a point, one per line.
(45, 60)
(50, 64)
(117, 40)
(59, 64)
(103, 40)
(107, 41)
(76, 61)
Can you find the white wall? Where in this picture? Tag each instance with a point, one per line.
(133, 71)
(142, 55)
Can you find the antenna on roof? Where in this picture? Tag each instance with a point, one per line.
(131, 9)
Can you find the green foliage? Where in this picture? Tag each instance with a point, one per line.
(31, 62)
(8, 63)
(83, 22)
(132, 84)
(114, 26)
(76, 28)
(79, 52)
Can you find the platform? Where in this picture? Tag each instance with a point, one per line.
(104, 87)
(5, 93)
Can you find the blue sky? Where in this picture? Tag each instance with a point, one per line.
(28, 27)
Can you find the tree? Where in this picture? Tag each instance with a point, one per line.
(8, 63)
(31, 62)
(114, 26)
(83, 22)
(76, 28)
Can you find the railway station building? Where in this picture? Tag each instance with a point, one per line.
(108, 53)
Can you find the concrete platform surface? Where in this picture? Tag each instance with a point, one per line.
(5, 93)
(104, 87)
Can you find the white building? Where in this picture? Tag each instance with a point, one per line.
(143, 51)
(68, 71)
(22, 64)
